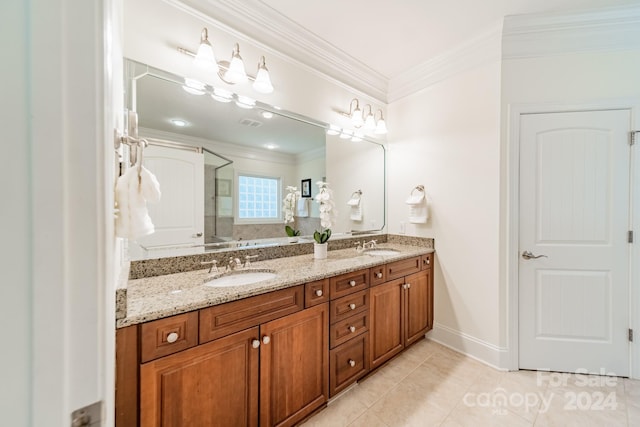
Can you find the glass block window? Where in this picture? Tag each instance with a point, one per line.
(258, 197)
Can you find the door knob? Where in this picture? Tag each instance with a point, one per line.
(196, 235)
(529, 255)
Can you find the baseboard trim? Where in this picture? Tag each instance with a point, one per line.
(470, 346)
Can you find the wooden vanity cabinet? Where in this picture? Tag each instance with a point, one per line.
(401, 310)
(274, 372)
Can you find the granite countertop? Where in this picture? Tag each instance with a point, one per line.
(156, 297)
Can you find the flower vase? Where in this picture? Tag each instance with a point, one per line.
(320, 251)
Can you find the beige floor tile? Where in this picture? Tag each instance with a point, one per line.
(407, 405)
(573, 406)
(475, 416)
(339, 413)
(368, 419)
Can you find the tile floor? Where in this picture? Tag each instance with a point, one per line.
(431, 385)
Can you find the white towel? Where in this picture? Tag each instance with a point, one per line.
(132, 195)
(303, 207)
(355, 213)
(418, 209)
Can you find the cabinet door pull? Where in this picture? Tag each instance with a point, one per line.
(352, 363)
(172, 337)
(266, 339)
(352, 329)
(352, 282)
(319, 292)
(408, 285)
(255, 343)
(352, 306)
(379, 275)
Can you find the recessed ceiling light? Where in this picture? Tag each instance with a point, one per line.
(179, 122)
(270, 146)
(267, 114)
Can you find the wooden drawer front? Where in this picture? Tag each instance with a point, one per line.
(349, 362)
(349, 283)
(348, 328)
(426, 261)
(378, 275)
(225, 319)
(403, 268)
(316, 292)
(169, 335)
(349, 305)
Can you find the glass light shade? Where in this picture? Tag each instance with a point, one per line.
(356, 118)
(236, 72)
(245, 102)
(346, 134)
(193, 86)
(381, 127)
(205, 58)
(262, 83)
(369, 122)
(222, 95)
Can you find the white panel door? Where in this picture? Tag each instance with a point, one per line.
(574, 213)
(179, 216)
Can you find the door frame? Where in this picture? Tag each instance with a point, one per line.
(510, 258)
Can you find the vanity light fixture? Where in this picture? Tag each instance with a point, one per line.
(179, 122)
(365, 120)
(346, 134)
(333, 130)
(230, 72)
(357, 137)
(266, 114)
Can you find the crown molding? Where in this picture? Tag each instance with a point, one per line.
(536, 35)
(473, 53)
(256, 22)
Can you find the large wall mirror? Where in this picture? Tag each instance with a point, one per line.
(224, 162)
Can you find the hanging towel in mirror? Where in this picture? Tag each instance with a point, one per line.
(303, 207)
(355, 205)
(418, 210)
(132, 194)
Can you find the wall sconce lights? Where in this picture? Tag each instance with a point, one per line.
(365, 120)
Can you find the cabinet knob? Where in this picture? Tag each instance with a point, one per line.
(352, 282)
(426, 261)
(266, 339)
(408, 285)
(352, 329)
(404, 286)
(172, 337)
(352, 363)
(319, 292)
(255, 343)
(379, 275)
(352, 306)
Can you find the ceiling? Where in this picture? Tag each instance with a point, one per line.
(375, 40)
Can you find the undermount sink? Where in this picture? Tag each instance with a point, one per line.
(240, 278)
(381, 252)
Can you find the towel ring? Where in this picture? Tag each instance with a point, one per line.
(357, 193)
(420, 188)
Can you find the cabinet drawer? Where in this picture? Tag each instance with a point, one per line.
(169, 335)
(225, 319)
(348, 306)
(378, 275)
(403, 268)
(349, 362)
(316, 292)
(348, 328)
(426, 261)
(348, 283)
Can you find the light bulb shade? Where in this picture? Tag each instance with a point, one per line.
(205, 58)
(356, 118)
(236, 72)
(346, 134)
(194, 86)
(369, 122)
(222, 95)
(245, 102)
(262, 82)
(381, 127)
(333, 130)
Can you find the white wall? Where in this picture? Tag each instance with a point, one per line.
(447, 138)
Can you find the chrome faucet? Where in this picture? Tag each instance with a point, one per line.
(359, 247)
(369, 245)
(233, 264)
(213, 263)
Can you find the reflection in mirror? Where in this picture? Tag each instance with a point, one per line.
(228, 190)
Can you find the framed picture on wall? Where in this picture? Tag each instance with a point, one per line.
(306, 187)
